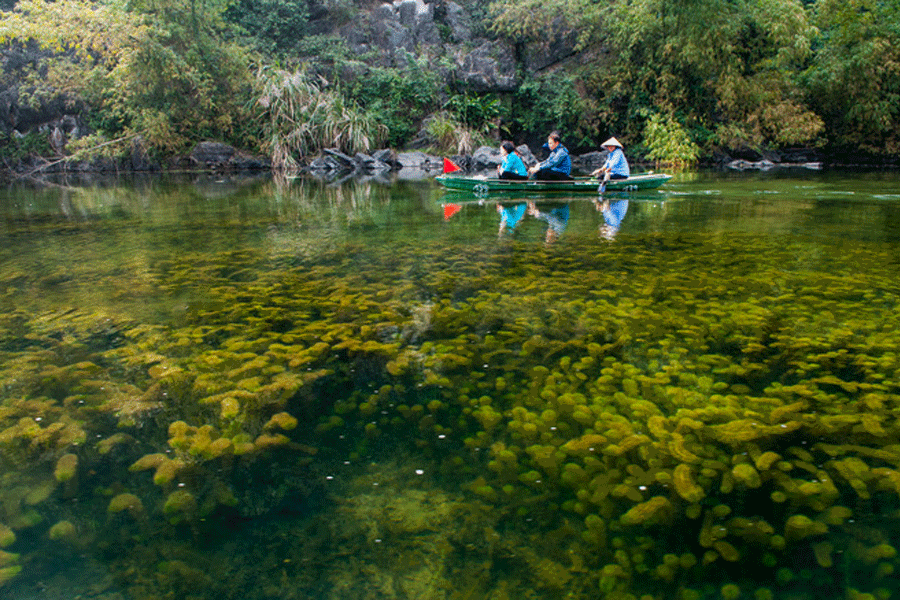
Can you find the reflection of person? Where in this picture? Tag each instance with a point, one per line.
(613, 213)
(512, 166)
(558, 165)
(510, 216)
(556, 218)
(616, 164)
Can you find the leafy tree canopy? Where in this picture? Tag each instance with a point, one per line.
(727, 67)
(150, 67)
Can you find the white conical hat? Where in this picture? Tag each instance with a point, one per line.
(612, 142)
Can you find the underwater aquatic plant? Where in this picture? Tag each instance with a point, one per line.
(751, 413)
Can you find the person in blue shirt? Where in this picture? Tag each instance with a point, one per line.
(512, 166)
(558, 165)
(616, 165)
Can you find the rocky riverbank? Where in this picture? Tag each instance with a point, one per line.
(220, 157)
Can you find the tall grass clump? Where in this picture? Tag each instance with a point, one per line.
(449, 135)
(302, 116)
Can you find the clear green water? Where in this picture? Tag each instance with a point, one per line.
(243, 389)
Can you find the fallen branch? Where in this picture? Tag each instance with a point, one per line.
(76, 155)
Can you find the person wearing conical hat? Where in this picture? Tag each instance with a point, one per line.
(616, 164)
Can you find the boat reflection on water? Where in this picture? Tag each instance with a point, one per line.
(554, 216)
(613, 212)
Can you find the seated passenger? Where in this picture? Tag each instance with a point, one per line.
(558, 165)
(512, 166)
(616, 165)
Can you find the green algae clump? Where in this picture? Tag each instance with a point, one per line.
(283, 421)
(798, 527)
(746, 475)
(685, 485)
(64, 531)
(653, 510)
(8, 573)
(180, 506)
(7, 536)
(128, 502)
(66, 467)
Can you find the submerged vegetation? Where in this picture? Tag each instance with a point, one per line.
(669, 416)
(721, 76)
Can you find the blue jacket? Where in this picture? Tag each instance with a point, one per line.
(513, 164)
(558, 160)
(617, 164)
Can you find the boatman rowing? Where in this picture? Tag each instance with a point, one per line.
(558, 165)
(616, 164)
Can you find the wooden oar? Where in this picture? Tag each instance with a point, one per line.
(603, 184)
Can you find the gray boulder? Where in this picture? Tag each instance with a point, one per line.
(459, 21)
(490, 67)
(485, 158)
(339, 158)
(743, 165)
(590, 161)
(393, 30)
(387, 156)
(370, 164)
(527, 157)
(140, 160)
(419, 160)
(212, 154)
(559, 46)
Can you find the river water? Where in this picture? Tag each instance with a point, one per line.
(247, 388)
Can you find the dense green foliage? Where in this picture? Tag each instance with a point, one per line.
(668, 142)
(750, 74)
(854, 78)
(13, 148)
(158, 69)
(730, 68)
(397, 98)
(553, 101)
(271, 26)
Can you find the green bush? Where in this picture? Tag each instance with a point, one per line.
(668, 142)
(160, 70)
(479, 113)
(273, 27)
(398, 100)
(14, 149)
(450, 136)
(544, 103)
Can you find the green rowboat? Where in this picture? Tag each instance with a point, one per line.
(483, 187)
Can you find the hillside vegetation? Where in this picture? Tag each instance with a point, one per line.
(676, 81)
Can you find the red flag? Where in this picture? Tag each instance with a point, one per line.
(450, 210)
(450, 166)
